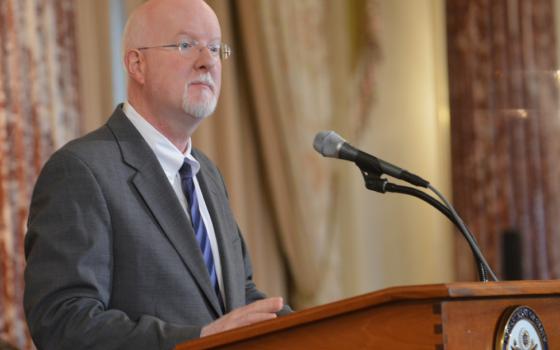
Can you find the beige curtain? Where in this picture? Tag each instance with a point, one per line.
(299, 67)
(39, 110)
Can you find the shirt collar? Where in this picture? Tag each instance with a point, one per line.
(169, 156)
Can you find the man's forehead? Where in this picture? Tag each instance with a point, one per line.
(197, 35)
(163, 20)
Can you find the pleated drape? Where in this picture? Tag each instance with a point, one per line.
(505, 126)
(298, 67)
(39, 111)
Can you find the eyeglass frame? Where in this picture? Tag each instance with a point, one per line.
(224, 54)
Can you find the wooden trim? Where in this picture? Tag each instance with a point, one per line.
(401, 298)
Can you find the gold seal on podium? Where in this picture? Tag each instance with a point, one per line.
(520, 329)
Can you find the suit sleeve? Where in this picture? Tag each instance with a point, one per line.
(252, 293)
(68, 275)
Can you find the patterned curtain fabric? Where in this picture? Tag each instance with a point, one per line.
(39, 111)
(504, 93)
(299, 67)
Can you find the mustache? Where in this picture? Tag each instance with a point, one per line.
(205, 79)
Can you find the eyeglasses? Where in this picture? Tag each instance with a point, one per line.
(188, 48)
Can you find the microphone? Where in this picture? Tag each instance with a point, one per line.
(332, 145)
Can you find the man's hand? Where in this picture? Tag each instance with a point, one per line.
(258, 311)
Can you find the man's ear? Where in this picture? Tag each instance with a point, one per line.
(135, 65)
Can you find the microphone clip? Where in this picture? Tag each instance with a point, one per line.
(374, 181)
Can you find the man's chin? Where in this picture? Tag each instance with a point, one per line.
(199, 110)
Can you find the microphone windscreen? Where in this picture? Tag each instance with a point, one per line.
(328, 143)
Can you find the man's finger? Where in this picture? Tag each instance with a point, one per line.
(274, 304)
(258, 311)
(257, 317)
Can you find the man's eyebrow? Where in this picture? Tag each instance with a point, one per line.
(194, 36)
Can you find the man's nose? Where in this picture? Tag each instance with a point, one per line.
(205, 60)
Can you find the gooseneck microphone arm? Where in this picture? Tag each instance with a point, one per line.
(485, 267)
(381, 185)
(330, 144)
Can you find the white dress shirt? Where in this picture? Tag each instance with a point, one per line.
(171, 159)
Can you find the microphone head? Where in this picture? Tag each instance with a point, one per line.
(328, 143)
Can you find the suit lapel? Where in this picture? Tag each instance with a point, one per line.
(152, 185)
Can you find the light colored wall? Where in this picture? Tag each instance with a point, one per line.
(95, 54)
(400, 240)
(556, 6)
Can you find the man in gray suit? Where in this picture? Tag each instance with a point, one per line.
(131, 242)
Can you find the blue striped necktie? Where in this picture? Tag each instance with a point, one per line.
(200, 232)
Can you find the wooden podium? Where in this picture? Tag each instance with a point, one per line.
(444, 316)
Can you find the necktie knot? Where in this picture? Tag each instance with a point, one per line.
(185, 171)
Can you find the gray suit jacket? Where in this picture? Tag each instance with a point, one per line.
(112, 262)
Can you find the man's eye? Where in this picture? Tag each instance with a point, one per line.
(184, 45)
